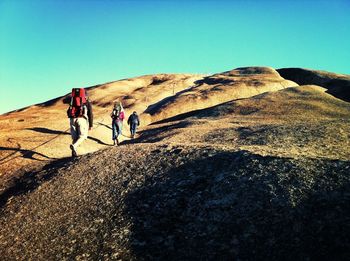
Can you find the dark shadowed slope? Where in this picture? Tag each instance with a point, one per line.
(337, 84)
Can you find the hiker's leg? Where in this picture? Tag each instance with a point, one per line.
(133, 129)
(82, 131)
(73, 130)
(114, 131)
(120, 126)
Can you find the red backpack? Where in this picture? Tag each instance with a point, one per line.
(76, 107)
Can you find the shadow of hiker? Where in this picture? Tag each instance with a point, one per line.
(31, 180)
(98, 141)
(242, 206)
(105, 125)
(48, 131)
(25, 153)
(56, 132)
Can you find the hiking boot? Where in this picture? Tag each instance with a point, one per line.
(117, 142)
(74, 152)
(114, 142)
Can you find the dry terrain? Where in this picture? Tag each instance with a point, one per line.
(249, 164)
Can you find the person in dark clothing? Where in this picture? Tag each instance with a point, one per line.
(133, 121)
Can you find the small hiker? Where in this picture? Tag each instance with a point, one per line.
(80, 116)
(133, 121)
(117, 116)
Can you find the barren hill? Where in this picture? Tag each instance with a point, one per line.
(37, 134)
(238, 165)
(219, 88)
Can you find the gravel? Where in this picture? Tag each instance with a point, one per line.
(169, 202)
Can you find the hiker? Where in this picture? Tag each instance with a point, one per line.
(133, 121)
(80, 116)
(117, 116)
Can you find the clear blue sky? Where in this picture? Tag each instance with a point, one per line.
(49, 46)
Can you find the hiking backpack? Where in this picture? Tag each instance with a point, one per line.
(77, 103)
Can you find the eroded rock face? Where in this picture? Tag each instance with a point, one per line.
(337, 84)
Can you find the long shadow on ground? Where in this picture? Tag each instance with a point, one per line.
(28, 154)
(50, 131)
(241, 206)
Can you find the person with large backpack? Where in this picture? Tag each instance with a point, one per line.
(80, 116)
(117, 116)
(133, 121)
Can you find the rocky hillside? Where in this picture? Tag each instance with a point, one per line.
(248, 172)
